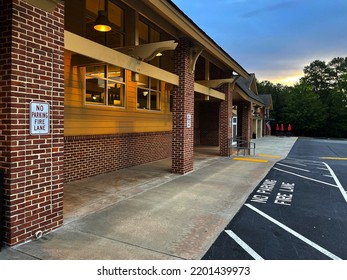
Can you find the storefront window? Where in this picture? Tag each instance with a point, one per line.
(147, 34)
(148, 93)
(105, 85)
(143, 33)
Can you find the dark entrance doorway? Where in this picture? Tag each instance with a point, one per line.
(207, 123)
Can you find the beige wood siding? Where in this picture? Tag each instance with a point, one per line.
(86, 119)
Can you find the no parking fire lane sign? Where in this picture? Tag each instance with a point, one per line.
(39, 118)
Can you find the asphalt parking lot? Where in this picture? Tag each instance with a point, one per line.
(298, 211)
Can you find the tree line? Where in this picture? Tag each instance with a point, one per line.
(317, 104)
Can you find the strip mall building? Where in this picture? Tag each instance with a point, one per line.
(77, 102)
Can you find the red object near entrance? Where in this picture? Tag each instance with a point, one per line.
(289, 127)
(277, 127)
(282, 127)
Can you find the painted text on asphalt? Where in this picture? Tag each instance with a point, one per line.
(284, 195)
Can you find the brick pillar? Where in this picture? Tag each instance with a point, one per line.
(244, 115)
(31, 69)
(183, 108)
(225, 120)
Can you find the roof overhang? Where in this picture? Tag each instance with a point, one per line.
(88, 52)
(178, 19)
(240, 95)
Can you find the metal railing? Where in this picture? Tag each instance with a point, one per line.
(241, 145)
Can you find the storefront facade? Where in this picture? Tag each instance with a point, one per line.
(77, 102)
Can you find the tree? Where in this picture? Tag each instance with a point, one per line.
(279, 95)
(329, 80)
(305, 110)
(338, 74)
(318, 75)
(317, 105)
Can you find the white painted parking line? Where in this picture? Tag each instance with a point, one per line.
(296, 168)
(308, 178)
(293, 162)
(296, 234)
(341, 188)
(244, 245)
(320, 168)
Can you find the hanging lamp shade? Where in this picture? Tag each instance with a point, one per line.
(101, 23)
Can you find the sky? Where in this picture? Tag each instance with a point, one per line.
(275, 39)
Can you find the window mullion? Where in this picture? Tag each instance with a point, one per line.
(106, 80)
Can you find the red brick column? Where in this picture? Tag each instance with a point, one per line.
(31, 69)
(245, 123)
(183, 111)
(225, 120)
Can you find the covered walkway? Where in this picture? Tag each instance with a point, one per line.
(88, 195)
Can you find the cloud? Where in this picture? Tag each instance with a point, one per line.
(270, 8)
(274, 38)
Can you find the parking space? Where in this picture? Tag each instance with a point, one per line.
(298, 211)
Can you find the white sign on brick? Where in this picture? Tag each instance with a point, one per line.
(39, 118)
(189, 120)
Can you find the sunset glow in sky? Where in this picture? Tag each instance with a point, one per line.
(275, 39)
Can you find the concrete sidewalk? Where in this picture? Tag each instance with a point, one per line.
(145, 212)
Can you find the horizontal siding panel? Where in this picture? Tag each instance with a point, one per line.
(91, 119)
(84, 121)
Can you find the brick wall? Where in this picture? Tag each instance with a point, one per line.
(92, 155)
(183, 104)
(5, 87)
(32, 69)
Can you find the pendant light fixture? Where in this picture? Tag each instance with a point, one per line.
(101, 23)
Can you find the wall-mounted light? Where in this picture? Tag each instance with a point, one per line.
(101, 23)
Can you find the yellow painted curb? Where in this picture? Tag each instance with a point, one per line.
(269, 156)
(334, 158)
(251, 159)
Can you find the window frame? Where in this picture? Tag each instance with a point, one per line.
(150, 91)
(107, 80)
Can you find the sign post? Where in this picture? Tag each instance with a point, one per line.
(39, 118)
